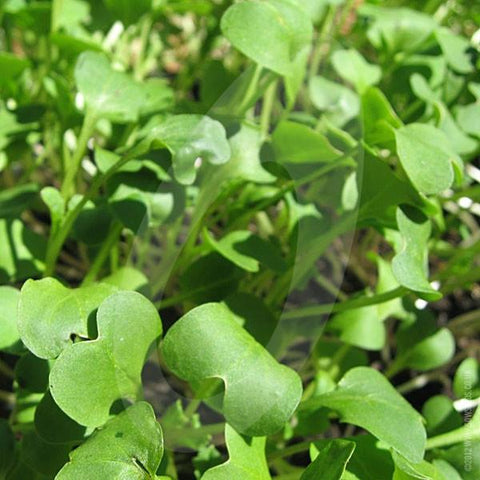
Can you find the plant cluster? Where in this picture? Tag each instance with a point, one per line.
(189, 190)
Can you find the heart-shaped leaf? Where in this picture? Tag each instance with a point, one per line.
(49, 314)
(364, 397)
(247, 459)
(108, 94)
(91, 377)
(250, 374)
(427, 156)
(271, 33)
(130, 446)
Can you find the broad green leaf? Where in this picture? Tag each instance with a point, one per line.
(369, 461)
(128, 278)
(398, 29)
(364, 397)
(22, 253)
(49, 314)
(189, 139)
(338, 103)
(379, 119)
(250, 374)
(446, 471)
(466, 382)
(210, 278)
(159, 96)
(11, 66)
(455, 49)
(271, 33)
(54, 426)
(127, 11)
(248, 251)
(42, 457)
(130, 446)
(410, 264)
(7, 448)
(423, 346)
(31, 373)
(9, 337)
(352, 67)
(108, 94)
(440, 415)
(13, 201)
(426, 154)
(112, 362)
(468, 118)
(330, 462)
(296, 143)
(405, 470)
(246, 162)
(459, 458)
(247, 459)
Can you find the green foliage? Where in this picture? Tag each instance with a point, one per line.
(293, 185)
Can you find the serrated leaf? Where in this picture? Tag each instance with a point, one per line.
(247, 459)
(49, 314)
(427, 155)
(112, 362)
(130, 446)
(364, 397)
(108, 93)
(271, 33)
(250, 374)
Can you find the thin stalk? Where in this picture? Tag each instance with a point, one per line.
(7, 397)
(267, 108)
(72, 168)
(103, 254)
(458, 435)
(315, 310)
(289, 451)
(252, 88)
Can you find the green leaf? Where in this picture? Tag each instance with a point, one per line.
(112, 362)
(422, 346)
(410, 264)
(11, 66)
(405, 470)
(13, 201)
(330, 462)
(271, 33)
(459, 458)
(7, 448)
(426, 154)
(248, 251)
(49, 314)
(128, 278)
(130, 446)
(446, 471)
(338, 102)
(468, 118)
(22, 253)
(440, 415)
(127, 11)
(352, 67)
(189, 138)
(250, 374)
(108, 94)
(247, 459)
(246, 162)
(9, 337)
(364, 397)
(455, 49)
(466, 382)
(296, 143)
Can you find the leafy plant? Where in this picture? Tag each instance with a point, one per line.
(239, 240)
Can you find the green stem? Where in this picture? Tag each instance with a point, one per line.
(6, 370)
(56, 243)
(71, 170)
(315, 310)
(7, 397)
(289, 451)
(267, 108)
(459, 435)
(252, 88)
(103, 254)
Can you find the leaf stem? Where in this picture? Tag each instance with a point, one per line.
(458, 435)
(103, 254)
(267, 108)
(73, 167)
(315, 310)
(290, 450)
